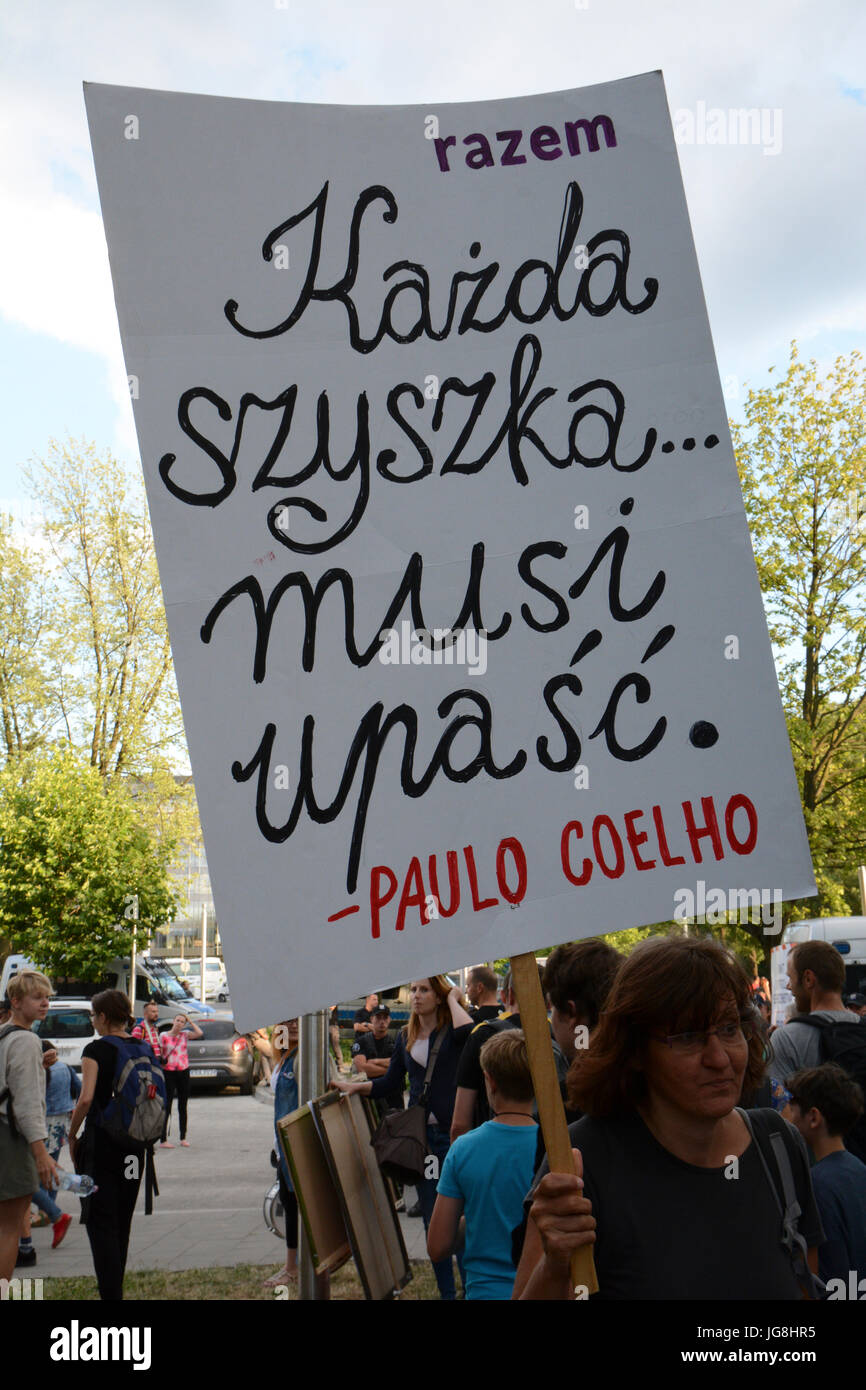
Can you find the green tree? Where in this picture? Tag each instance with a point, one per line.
(73, 854)
(801, 452)
(32, 652)
(107, 599)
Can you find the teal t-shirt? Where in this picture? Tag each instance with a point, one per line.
(490, 1170)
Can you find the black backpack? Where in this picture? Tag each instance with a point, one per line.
(844, 1042)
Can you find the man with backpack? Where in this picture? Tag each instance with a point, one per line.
(122, 1106)
(823, 1030)
(146, 1030)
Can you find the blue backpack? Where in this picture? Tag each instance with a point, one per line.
(135, 1114)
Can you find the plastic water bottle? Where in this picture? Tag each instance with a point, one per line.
(79, 1183)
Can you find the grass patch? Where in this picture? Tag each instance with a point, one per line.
(237, 1283)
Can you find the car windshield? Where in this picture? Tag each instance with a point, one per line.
(64, 1023)
(166, 980)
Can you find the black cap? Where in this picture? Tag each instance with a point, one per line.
(858, 1000)
(379, 1010)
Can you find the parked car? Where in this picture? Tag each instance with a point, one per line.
(68, 1027)
(223, 1057)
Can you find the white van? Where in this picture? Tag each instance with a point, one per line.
(847, 934)
(189, 968)
(155, 983)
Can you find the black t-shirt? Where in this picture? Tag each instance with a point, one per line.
(370, 1047)
(104, 1054)
(469, 1073)
(367, 1046)
(485, 1012)
(362, 1016)
(669, 1230)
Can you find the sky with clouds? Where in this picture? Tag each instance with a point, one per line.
(779, 224)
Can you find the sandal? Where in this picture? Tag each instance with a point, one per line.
(285, 1276)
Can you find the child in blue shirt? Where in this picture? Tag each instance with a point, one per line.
(487, 1173)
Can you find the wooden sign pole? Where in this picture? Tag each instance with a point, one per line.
(533, 1019)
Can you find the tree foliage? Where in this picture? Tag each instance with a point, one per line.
(74, 853)
(122, 704)
(32, 651)
(801, 452)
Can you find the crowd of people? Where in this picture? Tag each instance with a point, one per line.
(714, 1156)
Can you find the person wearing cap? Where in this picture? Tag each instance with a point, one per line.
(372, 1052)
(856, 1004)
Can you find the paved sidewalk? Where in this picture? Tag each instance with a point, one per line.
(209, 1211)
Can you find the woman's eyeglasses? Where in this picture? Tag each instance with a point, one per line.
(729, 1035)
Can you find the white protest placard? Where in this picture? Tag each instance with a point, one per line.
(462, 601)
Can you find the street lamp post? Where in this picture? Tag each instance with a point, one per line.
(312, 1082)
(131, 913)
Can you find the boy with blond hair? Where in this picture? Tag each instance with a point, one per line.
(488, 1171)
(25, 1163)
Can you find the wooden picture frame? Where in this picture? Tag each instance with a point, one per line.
(319, 1203)
(345, 1127)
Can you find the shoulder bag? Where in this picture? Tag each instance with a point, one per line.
(400, 1142)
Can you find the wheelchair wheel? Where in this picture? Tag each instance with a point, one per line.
(273, 1213)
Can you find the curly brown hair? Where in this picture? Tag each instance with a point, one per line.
(670, 984)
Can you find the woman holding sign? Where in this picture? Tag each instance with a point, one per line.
(677, 1178)
(437, 1016)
